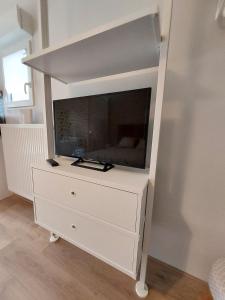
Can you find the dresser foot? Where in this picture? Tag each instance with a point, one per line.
(53, 237)
(141, 289)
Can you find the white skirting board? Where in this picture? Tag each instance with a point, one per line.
(22, 146)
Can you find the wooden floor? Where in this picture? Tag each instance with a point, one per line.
(33, 269)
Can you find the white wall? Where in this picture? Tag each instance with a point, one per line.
(189, 212)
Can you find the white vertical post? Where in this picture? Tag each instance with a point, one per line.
(141, 286)
(220, 10)
(47, 111)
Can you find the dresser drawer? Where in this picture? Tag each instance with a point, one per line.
(104, 241)
(108, 204)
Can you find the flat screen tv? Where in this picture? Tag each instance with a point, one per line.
(107, 128)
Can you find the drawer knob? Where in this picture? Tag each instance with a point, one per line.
(73, 226)
(73, 193)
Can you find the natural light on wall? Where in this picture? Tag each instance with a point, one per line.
(17, 80)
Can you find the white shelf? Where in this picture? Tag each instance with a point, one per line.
(125, 45)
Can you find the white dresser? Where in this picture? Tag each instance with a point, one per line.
(101, 213)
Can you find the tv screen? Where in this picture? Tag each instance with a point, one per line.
(108, 128)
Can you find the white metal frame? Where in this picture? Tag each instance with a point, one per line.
(48, 113)
(220, 10)
(141, 286)
(165, 9)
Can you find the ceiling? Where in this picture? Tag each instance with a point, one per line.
(6, 5)
(28, 5)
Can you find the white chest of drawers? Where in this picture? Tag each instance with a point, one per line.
(101, 213)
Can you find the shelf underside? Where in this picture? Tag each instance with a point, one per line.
(128, 47)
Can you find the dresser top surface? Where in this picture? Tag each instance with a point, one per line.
(133, 181)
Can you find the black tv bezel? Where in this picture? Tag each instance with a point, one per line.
(149, 92)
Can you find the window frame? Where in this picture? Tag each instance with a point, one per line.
(10, 50)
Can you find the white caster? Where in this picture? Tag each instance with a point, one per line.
(53, 237)
(141, 289)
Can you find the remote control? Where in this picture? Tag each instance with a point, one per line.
(52, 162)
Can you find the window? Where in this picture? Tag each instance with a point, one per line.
(17, 79)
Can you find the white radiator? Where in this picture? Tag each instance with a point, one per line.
(22, 146)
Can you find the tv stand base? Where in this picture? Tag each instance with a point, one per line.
(141, 289)
(53, 237)
(93, 165)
